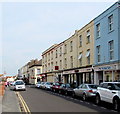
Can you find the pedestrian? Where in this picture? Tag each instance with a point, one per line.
(6, 84)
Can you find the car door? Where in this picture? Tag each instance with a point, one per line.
(77, 90)
(104, 92)
(110, 92)
(82, 89)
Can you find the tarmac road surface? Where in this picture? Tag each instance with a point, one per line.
(45, 101)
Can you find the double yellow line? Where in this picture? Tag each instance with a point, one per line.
(24, 105)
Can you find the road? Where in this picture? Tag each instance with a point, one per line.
(46, 101)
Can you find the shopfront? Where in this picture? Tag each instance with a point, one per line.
(79, 76)
(85, 75)
(107, 73)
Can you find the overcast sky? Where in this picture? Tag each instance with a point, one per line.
(29, 28)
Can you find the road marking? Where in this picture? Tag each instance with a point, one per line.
(27, 110)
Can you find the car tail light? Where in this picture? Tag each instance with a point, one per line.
(91, 91)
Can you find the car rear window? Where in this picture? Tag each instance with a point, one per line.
(68, 85)
(93, 86)
(19, 83)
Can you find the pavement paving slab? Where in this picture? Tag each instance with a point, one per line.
(10, 101)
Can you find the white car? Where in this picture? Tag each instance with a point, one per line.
(109, 92)
(18, 85)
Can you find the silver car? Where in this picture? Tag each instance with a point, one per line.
(85, 91)
(42, 85)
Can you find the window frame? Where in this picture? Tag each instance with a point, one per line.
(80, 41)
(110, 23)
(98, 30)
(111, 50)
(88, 36)
(71, 46)
(88, 57)
(98, 53)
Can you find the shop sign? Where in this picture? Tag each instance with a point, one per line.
(103, 68)
(56, 67)
(69, 72)
(41, 75)
(85, 70)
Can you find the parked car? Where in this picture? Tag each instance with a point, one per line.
(56, 86)
(42, 85)
(48, 85)
(109, 92)
(38, 84)
(66, 89)
(18, 85)
(85, 91)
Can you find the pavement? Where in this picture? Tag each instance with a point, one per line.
(10, 101)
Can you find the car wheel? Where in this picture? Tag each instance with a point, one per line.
(73, 94)
(66, 93)
(97, 99)
(59, 91)
(84, 97)
(116, 104)
(54, 90)
(14, 89)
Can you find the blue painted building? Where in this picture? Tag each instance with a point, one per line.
(107, 45)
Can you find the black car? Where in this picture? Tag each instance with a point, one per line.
(66, 89)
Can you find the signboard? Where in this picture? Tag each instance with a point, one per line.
(85, 70)
(106, 67)
(69, 72)
(56, 67)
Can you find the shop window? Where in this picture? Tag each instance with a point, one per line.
(107, 78)
(111, 50)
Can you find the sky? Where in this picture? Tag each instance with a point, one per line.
(28, 28)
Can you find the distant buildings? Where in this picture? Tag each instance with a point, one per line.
(31, 72)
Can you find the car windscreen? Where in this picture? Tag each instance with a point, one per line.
(58, 84)
(68, 85)
(48, 83)
(19, 83)
(93, 86)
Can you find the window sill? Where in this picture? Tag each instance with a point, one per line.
(98, 38)
(110, 31)
(87, 42)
